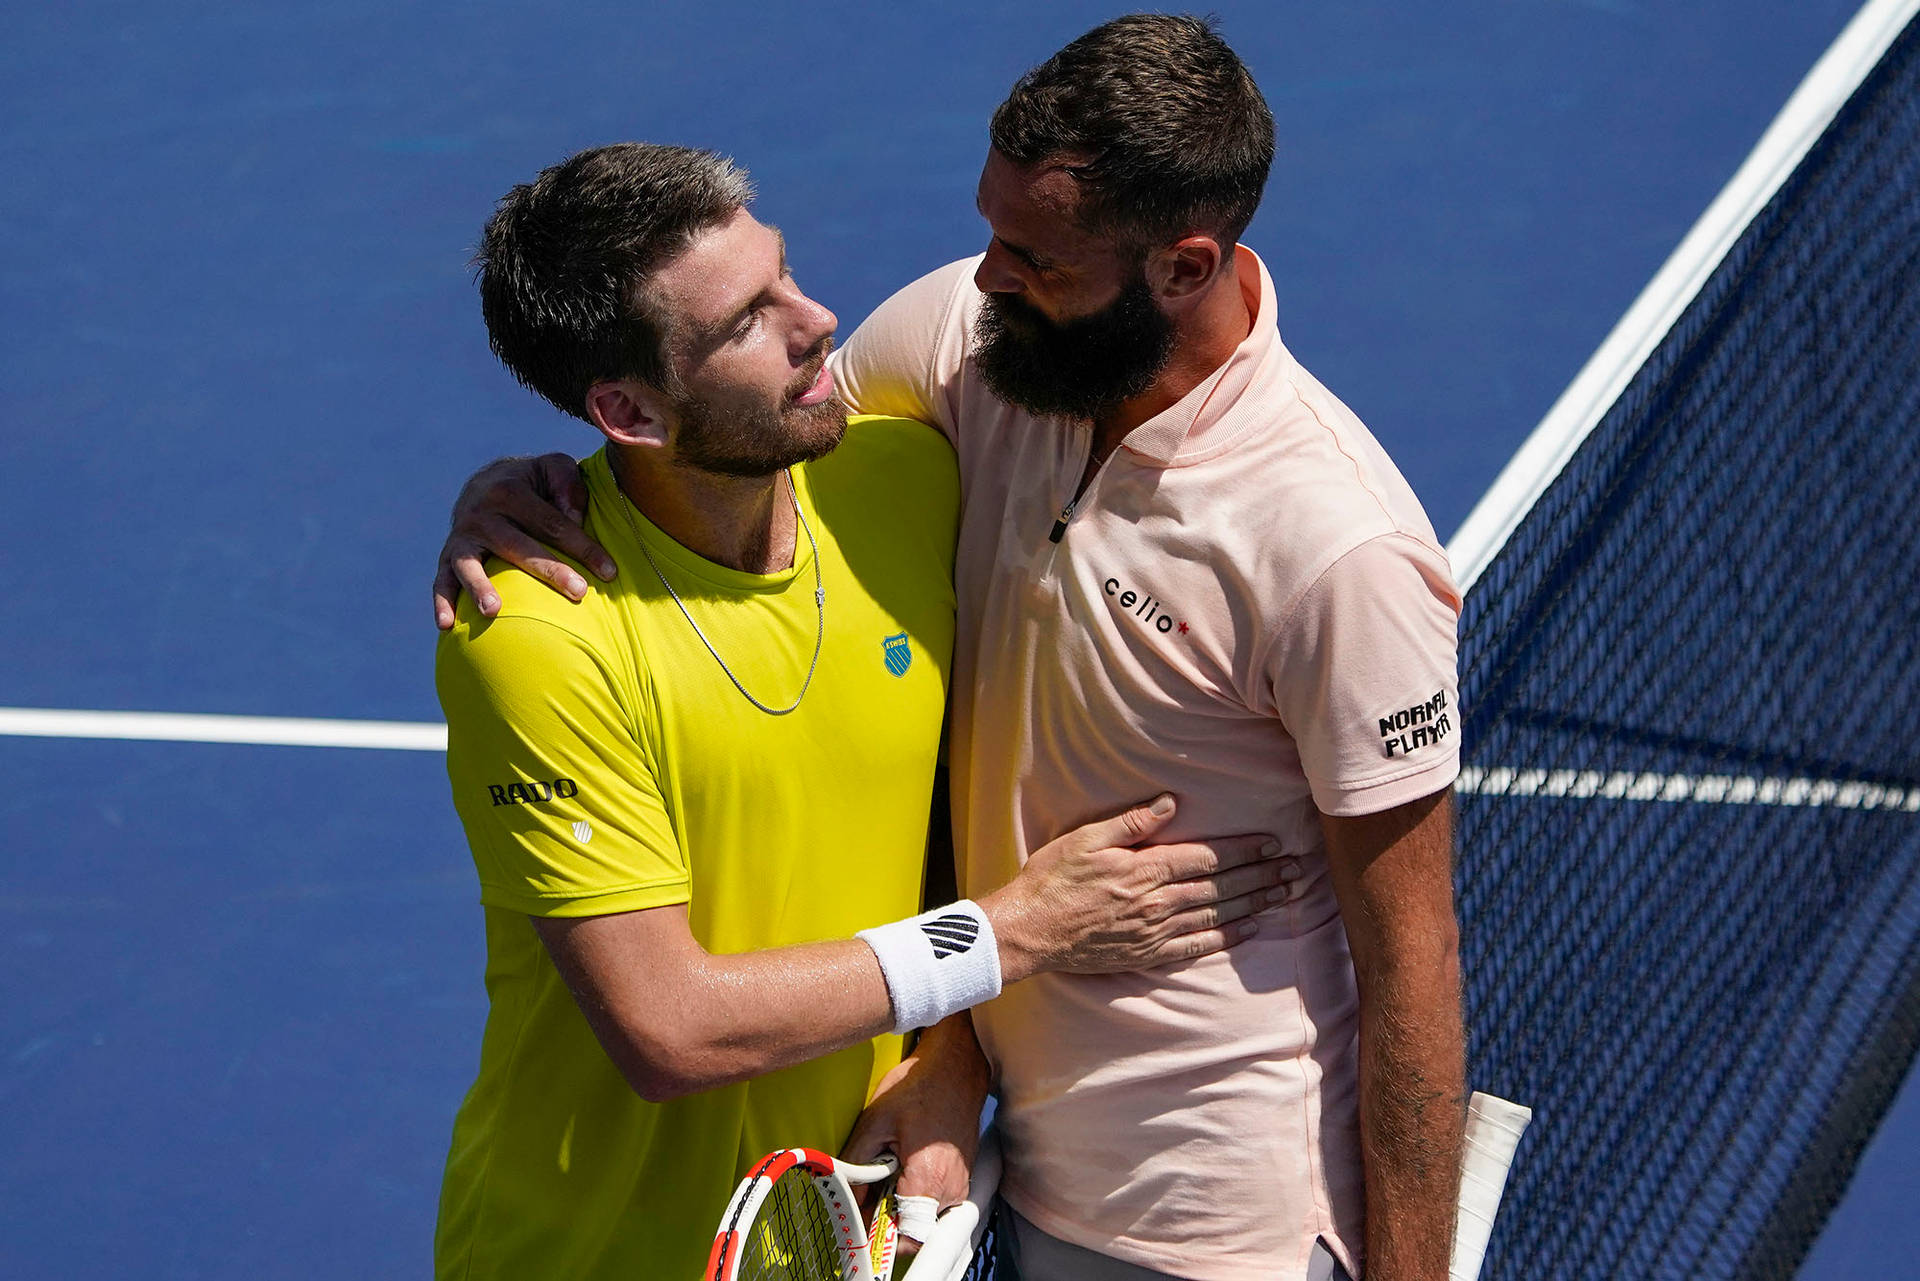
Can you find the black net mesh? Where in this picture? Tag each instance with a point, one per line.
(1690, 826)
(792, 1238)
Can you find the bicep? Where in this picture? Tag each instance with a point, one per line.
(635, 977)
(625, 967)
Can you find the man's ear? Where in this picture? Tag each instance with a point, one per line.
(1183, 270)
(628, 412)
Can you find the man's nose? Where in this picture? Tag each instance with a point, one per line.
(816, 323)
(998, 273)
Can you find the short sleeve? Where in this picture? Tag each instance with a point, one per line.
(903, 359)
(1363, 675)
(556, 789)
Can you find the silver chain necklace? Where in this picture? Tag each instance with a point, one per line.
(819, 602)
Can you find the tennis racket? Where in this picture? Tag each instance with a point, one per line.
(794, 1218)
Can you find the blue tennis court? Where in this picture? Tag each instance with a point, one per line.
(246, 372)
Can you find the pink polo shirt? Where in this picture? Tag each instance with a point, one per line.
(1248, 609)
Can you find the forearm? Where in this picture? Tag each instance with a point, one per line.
(677, 1020)
(1392, 873)
(1412, 1109)
(824, 997)
(743, 1015)
(700, 1020)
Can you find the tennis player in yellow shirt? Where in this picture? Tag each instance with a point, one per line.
(698, 799)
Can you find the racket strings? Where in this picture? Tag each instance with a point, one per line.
(792, 1238)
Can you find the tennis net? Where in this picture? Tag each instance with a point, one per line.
(1690, 819)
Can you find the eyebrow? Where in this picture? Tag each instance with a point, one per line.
(1027, 256)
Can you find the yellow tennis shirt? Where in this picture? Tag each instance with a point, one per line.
(602, 761)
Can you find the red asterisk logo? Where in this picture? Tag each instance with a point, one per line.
(1183, 629)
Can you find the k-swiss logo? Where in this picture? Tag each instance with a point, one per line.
(583, 831)
(1144, 607)
(950, 934)
(898, 653)
(1412, 728)
(532, 793)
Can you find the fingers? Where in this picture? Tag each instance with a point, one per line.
(577, 543)
(446, 594)
(1205, 858)
(1128, 828)
(1212, 916)
(558, 477)
(938, 1171)
(1273, 878)
(552, 511)
(464, 561)
(869, 1139)
(511, 545)
(916, 1216)
(1187, 947)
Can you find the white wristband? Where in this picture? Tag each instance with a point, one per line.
(937, 963)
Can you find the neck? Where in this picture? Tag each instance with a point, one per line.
(1205, 339)
(743, 522)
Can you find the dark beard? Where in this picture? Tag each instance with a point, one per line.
(1083, 368)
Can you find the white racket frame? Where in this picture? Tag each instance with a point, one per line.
(833, 1182)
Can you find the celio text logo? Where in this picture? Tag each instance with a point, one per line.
(1143, 607)
(532, 793)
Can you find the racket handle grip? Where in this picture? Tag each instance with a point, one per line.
(1494, 1127)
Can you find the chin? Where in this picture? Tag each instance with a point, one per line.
(824, 425)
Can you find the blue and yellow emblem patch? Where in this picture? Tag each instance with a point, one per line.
(898, 654)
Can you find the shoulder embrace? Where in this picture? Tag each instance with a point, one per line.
(903, 450)
(534, 614)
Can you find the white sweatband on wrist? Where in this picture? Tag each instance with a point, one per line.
(916, 1216)
(937, 963)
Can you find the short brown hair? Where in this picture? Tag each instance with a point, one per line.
(1159, 122)
(563, 263)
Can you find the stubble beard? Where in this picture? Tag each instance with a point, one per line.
(758, 442)
(759, 439)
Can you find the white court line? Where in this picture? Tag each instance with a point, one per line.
(1711, 789)
(279, 731)
(1592, 393)
(415, 736)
